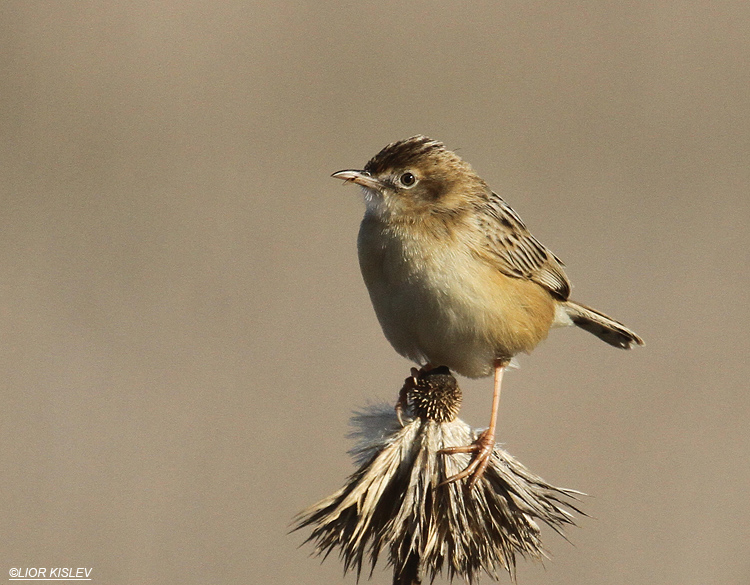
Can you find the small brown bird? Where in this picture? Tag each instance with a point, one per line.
(455, 277)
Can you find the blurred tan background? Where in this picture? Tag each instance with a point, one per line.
(184, 331)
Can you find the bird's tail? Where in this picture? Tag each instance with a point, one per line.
(605, 328)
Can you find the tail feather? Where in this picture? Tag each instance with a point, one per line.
(605, 328)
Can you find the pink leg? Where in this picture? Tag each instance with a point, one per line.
(485, 443)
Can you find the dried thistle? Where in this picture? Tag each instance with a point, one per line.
(396, 503)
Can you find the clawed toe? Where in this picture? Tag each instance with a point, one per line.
(402, 402)
(482, 449)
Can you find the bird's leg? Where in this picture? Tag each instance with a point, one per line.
(484, 445)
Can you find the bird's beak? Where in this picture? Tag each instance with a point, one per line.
(362, 178)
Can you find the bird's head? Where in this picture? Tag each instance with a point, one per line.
(415, 177)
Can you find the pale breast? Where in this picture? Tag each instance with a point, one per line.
(438, 303)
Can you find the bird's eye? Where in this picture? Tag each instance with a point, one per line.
(408, 180)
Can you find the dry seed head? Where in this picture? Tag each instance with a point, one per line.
(394, 505)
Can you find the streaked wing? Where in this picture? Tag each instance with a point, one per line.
(516, 252)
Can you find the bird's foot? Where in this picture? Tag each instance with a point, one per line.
(410, 383)
(402, 403)
(482, 449)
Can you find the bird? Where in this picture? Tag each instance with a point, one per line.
(454, 275)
